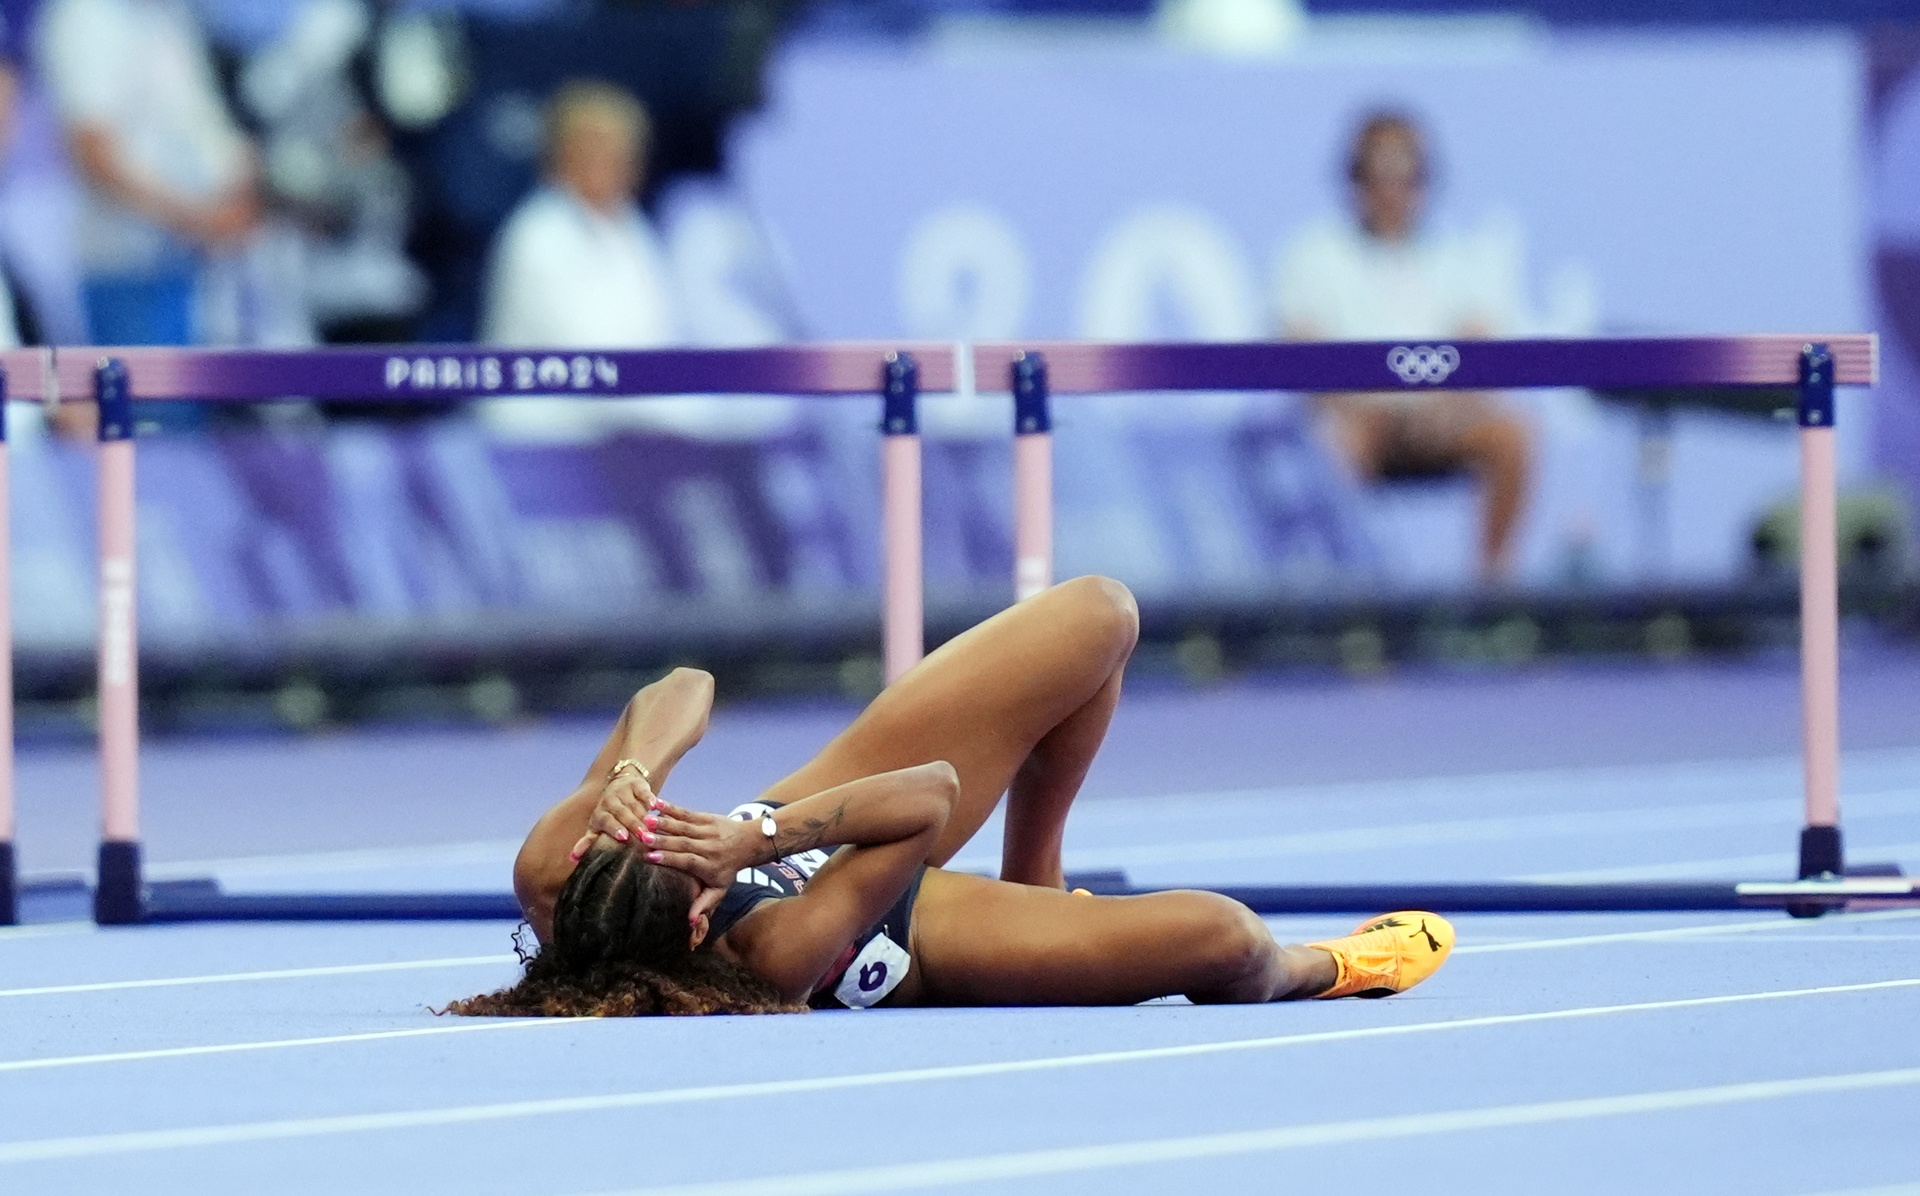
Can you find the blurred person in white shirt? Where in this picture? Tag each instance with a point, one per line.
(1379, 276)
(171, 239)
(578, 266)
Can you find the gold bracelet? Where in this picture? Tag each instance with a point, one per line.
(613, 774)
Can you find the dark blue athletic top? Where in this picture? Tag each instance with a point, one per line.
(869, 969)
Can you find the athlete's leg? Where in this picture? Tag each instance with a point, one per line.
(1021, 700)
(1044, 788)
(981, 942)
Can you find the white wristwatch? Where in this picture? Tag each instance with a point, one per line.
(772, 833)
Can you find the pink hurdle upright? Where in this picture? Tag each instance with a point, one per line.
(117, 898)
(9, 870)
(24, 374)
(1820, 848)
(903, 617)
(1032, 477)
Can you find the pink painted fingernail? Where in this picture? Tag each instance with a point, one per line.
(655, 856)
(652, 821)
(622, 835)
(646, 838)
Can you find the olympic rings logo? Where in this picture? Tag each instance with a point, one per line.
(1423, 363)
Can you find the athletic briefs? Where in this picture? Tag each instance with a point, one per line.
(870, 968)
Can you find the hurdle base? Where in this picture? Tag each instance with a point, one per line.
(9, 889)
(116, 895)
(1877, 886)
(1821, 855)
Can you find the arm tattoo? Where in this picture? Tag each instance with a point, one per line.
(810, 833)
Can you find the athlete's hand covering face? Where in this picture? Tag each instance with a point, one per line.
(711, 848)
(621, 812)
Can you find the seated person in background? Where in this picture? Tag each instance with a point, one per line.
(1379, 277)
(577, 264)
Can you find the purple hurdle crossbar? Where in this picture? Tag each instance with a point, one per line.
(1814, 364)
(1033, 371)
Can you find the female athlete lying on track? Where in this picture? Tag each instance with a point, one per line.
(828, 890)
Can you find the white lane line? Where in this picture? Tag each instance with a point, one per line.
(48, 930)
(1026, 1164)
(230, 1048)
(1786, 937)
(1776, 863)
(346, 969)
(1768, 925)
(1781, 933)
(44, 1149)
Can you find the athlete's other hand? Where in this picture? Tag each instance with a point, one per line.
(708, 847)
(711, 848)
(621, 812)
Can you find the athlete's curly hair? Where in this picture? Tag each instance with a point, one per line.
(619, 949)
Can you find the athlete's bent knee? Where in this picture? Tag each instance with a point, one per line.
(1109, 605)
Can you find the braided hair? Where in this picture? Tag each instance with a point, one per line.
(620, 949)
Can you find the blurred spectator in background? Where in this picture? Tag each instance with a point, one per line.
(1379, 276)
(10, 330)
(39, 203)
(327, 163)
(577, 263)
(172, 242)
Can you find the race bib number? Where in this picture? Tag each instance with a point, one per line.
(875, 972)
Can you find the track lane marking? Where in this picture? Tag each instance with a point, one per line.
(1068, 1160)
(1782, 861)
(85, 1146)
(1781, 932)
(230, 1048)
(47, 930)
(1753, 926)
(345, 969)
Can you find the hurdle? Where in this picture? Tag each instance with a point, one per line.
(24, 374)
(1813, 365)
(121, 378)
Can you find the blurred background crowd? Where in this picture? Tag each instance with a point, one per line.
(638, 173)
